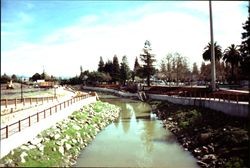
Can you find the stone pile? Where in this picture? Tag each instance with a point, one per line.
(214, 139)
(61, 144)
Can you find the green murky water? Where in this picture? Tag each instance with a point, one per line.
(136, 139)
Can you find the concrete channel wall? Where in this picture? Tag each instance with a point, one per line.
(31, 132)
(120, 93)
(231, 108)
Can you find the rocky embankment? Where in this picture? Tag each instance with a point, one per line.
(60, 145)
(214, 139)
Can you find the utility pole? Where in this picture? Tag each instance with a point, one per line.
(213, 70)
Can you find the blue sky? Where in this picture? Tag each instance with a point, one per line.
(63, 35)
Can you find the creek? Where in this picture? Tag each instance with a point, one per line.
(136, 139)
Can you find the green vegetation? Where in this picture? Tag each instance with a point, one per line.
(207, 52)
(244, 48)
(137, 70)
(43, 76)
(116, 70)
(174, 68)
(234, 162)
(214, 138)
(188, 119)
(5, 78)
(124, 71)
(148, 59)
(232, 66)
(61, 144)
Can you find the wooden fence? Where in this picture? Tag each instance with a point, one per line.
(18, 126)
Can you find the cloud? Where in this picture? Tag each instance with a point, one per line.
(228, 17)
(29, 5)
(89, 19)
(91, 36)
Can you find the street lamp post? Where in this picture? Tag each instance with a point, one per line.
(54, 88)
(191, 79)
(213, 71)
(21, 89)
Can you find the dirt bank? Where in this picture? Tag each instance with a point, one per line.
(215, 139)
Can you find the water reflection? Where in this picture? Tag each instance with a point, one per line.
(136, 139)
(146, 136)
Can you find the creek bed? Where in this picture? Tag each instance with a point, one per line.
(136, 139)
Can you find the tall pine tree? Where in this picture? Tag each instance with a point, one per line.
(116, 70)
(124, 71)
(108, 67)
(148, 59)
(135, 71)
(101, 65)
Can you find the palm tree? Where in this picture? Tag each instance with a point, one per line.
(232, 56)
(207, 52)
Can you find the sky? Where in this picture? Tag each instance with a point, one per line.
(59, 36)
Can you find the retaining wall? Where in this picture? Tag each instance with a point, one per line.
(240, 109)
(232, 108)
(120, 93)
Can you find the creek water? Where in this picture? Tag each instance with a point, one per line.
(136, 139)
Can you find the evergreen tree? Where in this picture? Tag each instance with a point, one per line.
(116, 69)
(108, 67)
(101, 65)
(148, 59)
(135, 71)
(136, 65)
(245, 51)
(5, 78)
(36, 77)
(81, 77)
(45, 76)
(124, 71)
(14, 78)
(81, 70)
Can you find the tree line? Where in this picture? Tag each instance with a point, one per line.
(114, 72)
(232, 65)
(43, 76)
